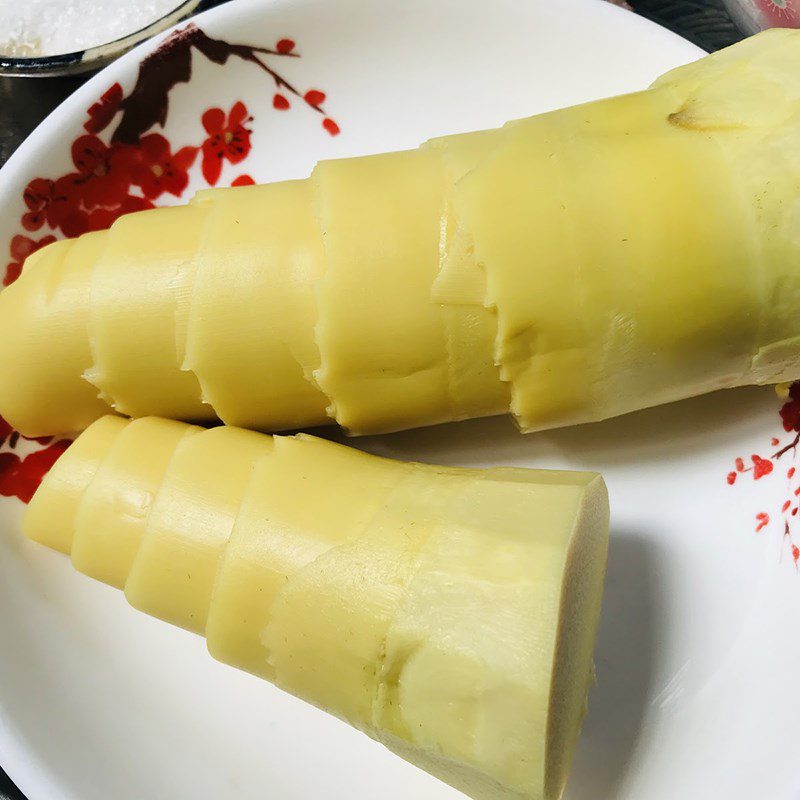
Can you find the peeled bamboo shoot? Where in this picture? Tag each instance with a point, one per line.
(567, 268)
(448, 613)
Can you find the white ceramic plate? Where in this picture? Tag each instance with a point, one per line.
(699, 647)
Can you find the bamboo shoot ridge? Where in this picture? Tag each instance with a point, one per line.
(662, 315)
(758, 136)
(748, 102)
(134, 292)
(250, 333)
(669, 306)
(459, 288)
(189, 524)
(381, 340)
(50, 517)
(389, 594)
(43, 313)
(111, 518)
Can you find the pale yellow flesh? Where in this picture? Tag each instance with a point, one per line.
(50, 517)
(173, 572)
(111, 518)
(276, 534)
(254, 360)
(382, 342)
(460, 286)
(43, 343)
(136, 288)
(448, 613)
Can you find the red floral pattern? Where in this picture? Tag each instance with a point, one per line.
(131, 169)
(5, 431)
(104, 175)
(21, 247)
(761, 466)
(20, 477)
(159, 170)
(104, 110)
(228, 139)
(242, 180)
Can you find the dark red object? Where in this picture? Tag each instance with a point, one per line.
(228, 139)
(103, 111)
(331, 126)
(20, 477)
(243, 180)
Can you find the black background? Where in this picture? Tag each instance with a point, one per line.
(24, 103)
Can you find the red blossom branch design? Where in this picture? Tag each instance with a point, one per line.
(760, 467)
(148, 102)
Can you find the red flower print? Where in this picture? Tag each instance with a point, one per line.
(314, 97)
(104, 173)
(37, 197)
(280, 103)
(330, 126)
(761, 467)
(228, 139)
(160, 170)
(103, 218)
(5, 431)
(64, 209)
(56, 203)
(764, 466)
(243, 180)
(790, 411)
(20, 477)
(21, 247)
(103, 111)
(285, 46)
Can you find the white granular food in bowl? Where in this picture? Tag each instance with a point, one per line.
(53, 27)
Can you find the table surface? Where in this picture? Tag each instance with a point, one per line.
(24, 103)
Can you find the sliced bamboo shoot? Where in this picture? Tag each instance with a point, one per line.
(50, 518)
(47, 310)
(137, 286)
(173, 573)
(380, 219)
(278, 533)
(111, 518)
(460, 286)
(254, 360)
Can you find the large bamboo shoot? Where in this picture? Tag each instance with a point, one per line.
(567, 268)
(448, 613)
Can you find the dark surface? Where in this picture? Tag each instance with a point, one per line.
(25, 102)
(704, 22)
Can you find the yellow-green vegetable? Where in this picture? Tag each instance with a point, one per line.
(567, 268)
(448, 613)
